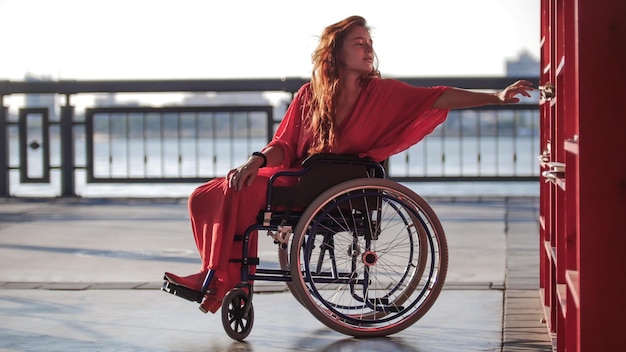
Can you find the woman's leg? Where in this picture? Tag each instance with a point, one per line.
(217, 214)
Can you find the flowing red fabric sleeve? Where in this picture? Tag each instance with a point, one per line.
(389, 117)
(291, 136)
(397, 116)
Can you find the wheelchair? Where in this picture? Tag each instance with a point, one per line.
(365, 255)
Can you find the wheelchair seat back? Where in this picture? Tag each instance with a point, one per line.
(321, 172)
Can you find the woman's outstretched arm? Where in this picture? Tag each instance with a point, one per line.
(456, 98)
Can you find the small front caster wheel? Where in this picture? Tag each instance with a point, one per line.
(237, 314)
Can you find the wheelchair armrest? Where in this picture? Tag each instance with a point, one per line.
(332, 158)
(320, 172)
(378, 169)
(374, 169)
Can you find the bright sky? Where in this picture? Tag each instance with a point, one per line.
(203, 39)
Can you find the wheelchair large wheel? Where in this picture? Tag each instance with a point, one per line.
(237, 314)
(368, 257)
(283, 260)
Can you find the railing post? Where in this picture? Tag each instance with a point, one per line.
(4, 150)
(269, 132)
(66, 126)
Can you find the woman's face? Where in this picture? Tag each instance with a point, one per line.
(357, 53)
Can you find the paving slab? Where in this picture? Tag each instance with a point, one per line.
(140, 320)
(84, 274)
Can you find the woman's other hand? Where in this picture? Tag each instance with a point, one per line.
(509, 94)
(245, 174)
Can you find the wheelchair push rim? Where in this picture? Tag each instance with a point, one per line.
(368, 257)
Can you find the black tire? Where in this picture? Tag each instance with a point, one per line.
(283, 259)
(237, 314)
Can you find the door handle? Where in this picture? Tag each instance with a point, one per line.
(547, 91)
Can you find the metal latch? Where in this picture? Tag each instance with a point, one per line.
(547, 91)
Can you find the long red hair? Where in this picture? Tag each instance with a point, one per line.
(325, 79)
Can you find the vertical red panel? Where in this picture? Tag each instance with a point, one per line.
(602, 172)
(583, 215)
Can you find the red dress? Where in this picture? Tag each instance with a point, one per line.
(388, 117)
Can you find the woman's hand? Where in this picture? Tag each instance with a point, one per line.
(509, 94)
(245, 174)
(456, 98)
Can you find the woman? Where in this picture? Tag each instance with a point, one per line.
(347, 108)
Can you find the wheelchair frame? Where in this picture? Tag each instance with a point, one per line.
(365, 255)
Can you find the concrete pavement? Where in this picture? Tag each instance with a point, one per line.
(84, 275)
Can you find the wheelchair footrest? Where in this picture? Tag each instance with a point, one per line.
(182, 291)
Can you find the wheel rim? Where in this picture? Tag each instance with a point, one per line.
(393, 295)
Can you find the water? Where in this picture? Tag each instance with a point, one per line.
(188, 157)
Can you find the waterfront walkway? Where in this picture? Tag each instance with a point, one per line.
(84, 275)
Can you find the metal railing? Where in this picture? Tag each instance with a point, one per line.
(121, 144)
